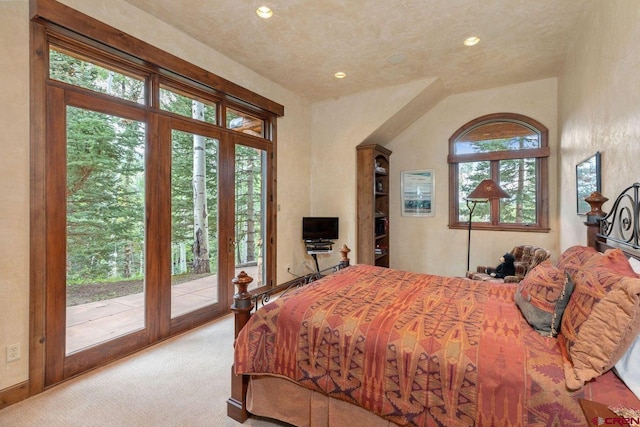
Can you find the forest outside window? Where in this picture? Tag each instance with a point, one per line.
(512, 150)
(72, 68)
(140, 161)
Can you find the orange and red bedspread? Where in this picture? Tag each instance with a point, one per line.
(418, 350)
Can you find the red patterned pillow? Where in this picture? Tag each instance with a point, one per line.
(601, 319)
(542, 297)
(575, 257)
(618, 261)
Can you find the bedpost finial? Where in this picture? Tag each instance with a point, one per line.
(595, 200)
(344, 258)
(243, 298)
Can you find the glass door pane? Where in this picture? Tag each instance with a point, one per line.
(250, 176)
(194, 222)
(104, 227)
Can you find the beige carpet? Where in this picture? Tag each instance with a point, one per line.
(184, 381)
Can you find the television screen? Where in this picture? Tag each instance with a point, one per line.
(319, 228)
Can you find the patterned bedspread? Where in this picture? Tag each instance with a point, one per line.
(418, 350)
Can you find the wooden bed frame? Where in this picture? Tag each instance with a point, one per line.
(618, 229)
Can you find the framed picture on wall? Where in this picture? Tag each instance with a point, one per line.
(418, 192)
(587, 181)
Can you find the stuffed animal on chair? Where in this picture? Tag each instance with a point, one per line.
(506, 267)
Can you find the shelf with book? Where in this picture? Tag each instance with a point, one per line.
(373, 204)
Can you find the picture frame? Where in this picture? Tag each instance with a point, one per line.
(587, 181)
(418, 192)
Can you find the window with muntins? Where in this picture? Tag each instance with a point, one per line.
(512, 150)
(149, 175)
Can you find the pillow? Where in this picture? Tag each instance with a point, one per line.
(617, 261)
(542, 297)
(628, 367)
(578, 257)
(575, 256)
(600, 322)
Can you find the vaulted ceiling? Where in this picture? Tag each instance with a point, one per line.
(383, 42)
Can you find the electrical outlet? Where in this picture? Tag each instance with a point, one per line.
(13, 352)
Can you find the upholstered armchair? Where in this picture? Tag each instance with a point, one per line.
(526, 258)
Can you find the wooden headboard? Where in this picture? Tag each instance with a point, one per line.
(620, 228)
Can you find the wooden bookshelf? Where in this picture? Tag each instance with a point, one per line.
(373, 205)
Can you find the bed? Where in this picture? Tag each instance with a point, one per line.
(374, 346)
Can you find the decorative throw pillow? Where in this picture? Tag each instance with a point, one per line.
(575, 257)
(628, 368)
(578, 257)
(599, 323)
(542, 297)
(616, 260)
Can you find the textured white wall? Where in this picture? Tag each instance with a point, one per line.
(14, 188)
(599, 107)
(426, 244)
(338, 126)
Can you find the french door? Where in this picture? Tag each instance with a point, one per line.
(144, 234)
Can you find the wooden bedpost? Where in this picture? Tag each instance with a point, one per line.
(344, 259)
(595, 200)
(241, 307)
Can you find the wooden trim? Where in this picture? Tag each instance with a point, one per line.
(55, 227)
(158, 224)
(500, 155)
(528, 121)
(14, 394)
(37, 219)
(49, 12)
(270, 255)
(501, 227)
(226, 215)
(380, 148)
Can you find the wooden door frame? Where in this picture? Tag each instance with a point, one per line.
(49, 16)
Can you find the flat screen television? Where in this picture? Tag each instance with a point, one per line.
(319, 228)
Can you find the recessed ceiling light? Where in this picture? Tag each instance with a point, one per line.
(264, 12)
(340, 75)
(471, 41)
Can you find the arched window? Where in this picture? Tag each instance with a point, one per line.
(512, 150)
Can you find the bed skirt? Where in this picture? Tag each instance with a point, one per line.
(284, 400)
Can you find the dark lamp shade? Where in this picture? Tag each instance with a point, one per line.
(487, 189)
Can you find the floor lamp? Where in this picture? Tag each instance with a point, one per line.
(485, 191)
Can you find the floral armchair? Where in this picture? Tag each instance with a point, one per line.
(526, 258)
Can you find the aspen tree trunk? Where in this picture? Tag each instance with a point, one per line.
(128, 260)
(251, 230)
(200, 214)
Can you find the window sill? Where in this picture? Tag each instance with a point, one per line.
(501, 227)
